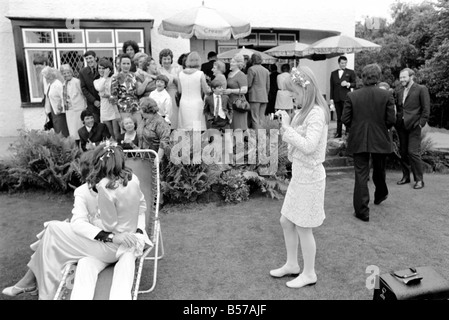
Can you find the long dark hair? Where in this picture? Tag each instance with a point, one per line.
(109, 162)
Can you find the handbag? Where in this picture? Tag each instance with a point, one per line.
(241, 104)
(48, 125)
(420, 283)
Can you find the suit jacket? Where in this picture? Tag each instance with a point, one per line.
(98, 133)
(337, 92)
(258, 84)
(416, 108)
(207, 69)
(87, 86)
(369, 112)
(209, 107)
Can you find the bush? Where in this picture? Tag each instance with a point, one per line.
(44, 160)
(185, 183)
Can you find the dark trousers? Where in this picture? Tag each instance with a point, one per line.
(339, 110)
(409, 149)
(95, 111)
(60, 123)
(362, 169)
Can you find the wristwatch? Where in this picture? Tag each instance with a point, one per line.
(110, 237)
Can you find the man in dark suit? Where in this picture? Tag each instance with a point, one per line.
(207, 66)
(87, 76)
(413, 107)
(92, 133)
(369, 112)
(342, 80)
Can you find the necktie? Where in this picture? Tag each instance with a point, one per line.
(65, 96)
(217, 106)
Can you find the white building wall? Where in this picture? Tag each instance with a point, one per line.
(294, 14)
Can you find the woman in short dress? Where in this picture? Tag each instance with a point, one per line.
(192, 86)
(303, 208)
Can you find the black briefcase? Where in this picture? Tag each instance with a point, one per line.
(420, 283)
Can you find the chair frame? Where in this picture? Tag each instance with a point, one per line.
(155, 235)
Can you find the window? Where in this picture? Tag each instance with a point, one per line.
(286, 38)
(268, 39)
(251, 39)
(41, 40)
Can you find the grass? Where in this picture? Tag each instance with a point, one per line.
(224, 252)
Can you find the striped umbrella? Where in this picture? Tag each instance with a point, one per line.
(205, 23)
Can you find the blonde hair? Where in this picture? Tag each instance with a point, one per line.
(65, 67)
(309, 95)
(240, 59)
(51, 73)
(193, 60)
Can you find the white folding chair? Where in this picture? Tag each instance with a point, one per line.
(145, 165)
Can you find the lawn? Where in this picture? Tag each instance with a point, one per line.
(224, 252)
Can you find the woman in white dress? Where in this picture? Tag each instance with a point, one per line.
(109, 114)
(74, 101)
(192, 86)
(303, 208)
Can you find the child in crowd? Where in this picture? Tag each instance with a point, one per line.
(162, 97)
(218, 112)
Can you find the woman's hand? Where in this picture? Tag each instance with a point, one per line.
(284, 118)
(127, 239)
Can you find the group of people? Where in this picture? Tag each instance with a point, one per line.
(369, 112)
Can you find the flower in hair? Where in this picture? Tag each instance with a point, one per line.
(299, 78)
(109, 147)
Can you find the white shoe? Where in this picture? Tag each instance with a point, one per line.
(15, 291)
(284, 271)
(302, 281)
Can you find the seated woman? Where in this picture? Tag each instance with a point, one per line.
(92, 133)
(153, 131)
(129, 139)
(90, 234)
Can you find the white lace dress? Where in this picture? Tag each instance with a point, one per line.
(304, 201)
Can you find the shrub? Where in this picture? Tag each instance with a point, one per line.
(232, 186)
(185, 183)
(44, 160)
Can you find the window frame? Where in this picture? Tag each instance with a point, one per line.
(21, 23)
(70, 45)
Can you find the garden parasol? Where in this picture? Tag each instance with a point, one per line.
(338, 45)
(205, 23)
(290, 50)
(293, 50)
(228, 55)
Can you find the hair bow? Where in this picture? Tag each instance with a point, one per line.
(109, 147)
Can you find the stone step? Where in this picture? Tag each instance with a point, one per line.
(337, 161)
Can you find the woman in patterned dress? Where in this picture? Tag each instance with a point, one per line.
(303, 208)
